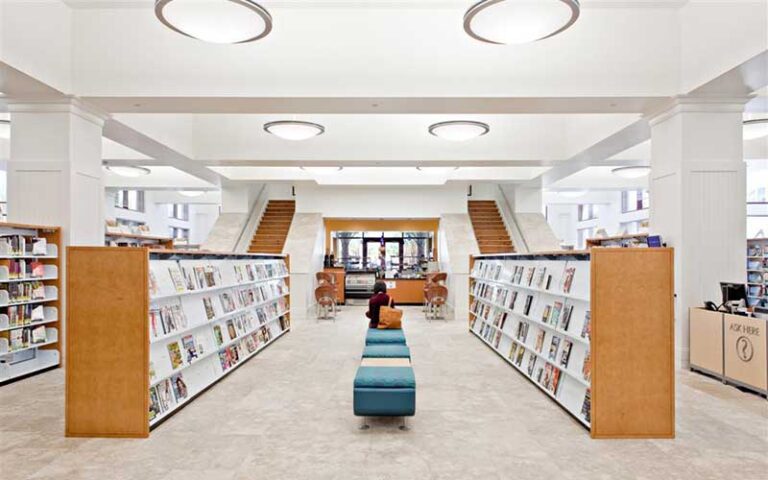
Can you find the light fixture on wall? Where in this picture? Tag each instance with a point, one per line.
(459, 130)
(756, 128)
(191, 193)
(5, 129)
(215, 21)
(637, 171)
(128, 170)
(505, 22)
(294, 129)
(572, 193)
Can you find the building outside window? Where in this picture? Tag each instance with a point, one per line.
(178, 232)
(635, 226)
(132, 224)
(130, 200)
(634, 200)
(588, 212)
(179, 211)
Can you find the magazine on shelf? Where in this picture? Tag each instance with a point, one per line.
(217, 335)
(39, 246)
(586, 368)
(554, 346)
(528, 304)
(529, 277)
(586, 406)
(38, 335)
(565, 320)
(177, 279)
(554, 318)
(540, 340)
(531, 363)
(586, 329)
(165, 394)
(210, 313)
(190, 348)
(154, 404)
(180, 391)
(174, 355)
(545, 314)
(520, 356)
(512, 351)
(231, 331)
(540, 275)
(565, 354)
(568, 279)
(37, 313)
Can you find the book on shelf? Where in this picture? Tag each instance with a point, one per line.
(528, 305)
(565, 353)
(180, 391)
(38, 335)
(586, 367)
(586, 406)
(174, 355)
(586, 329)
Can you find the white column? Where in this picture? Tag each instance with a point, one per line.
(698, 200)
(54, 171)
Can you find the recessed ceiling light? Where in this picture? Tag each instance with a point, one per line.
(215, 21)
(5, 129)
(191, 193)
(632, 172)
(519, 21)
(572, 193)
(294, 129)
(459, 130)
(129, 170)
(756, 128)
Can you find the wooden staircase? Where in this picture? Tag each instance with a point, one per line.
(490, 231)
(274, 226)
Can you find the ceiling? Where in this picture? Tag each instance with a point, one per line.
(376, 74)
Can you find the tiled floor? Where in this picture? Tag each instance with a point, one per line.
(287, 414)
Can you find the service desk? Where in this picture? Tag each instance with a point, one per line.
(706, 339)
(406, 291)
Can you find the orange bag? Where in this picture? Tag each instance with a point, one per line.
(390, 318)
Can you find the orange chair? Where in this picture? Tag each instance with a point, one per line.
(432, 279)
(327, 278)
(325, 296)
(437, 296)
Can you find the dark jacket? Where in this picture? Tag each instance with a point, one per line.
(374, 305)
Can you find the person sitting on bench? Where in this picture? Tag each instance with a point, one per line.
(378, 300)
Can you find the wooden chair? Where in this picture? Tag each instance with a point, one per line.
(327, 278)
(432, 279)
(437, 296)
(325, 296)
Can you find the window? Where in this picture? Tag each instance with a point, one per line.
(129, 223)
(130, 200)
(634, 200)
(584, 234)
(177, 232)
(587, 212)
(179, 211)
(631, 227)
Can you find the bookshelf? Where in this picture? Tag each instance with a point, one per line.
(593, 330)
(757, 271)
(120, 239)
(29, 300)
(625, 241)
(163, 327)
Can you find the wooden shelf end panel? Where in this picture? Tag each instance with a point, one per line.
(632, 337)
(107, 380)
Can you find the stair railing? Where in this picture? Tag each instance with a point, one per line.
(510, 222)
(255, 213)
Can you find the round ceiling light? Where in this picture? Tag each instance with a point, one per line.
(459, 130)
(215, 21)
(129, 170)
(294, 129)
(5, 129)
(505, 22)
(638, 171)
(191, 193)
(757, 128)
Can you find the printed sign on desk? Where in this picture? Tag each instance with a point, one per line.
(391, 285)
(746, 360)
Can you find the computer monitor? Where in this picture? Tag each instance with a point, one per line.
(733, 292)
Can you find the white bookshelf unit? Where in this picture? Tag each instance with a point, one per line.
(757, 271)
(557, 319)
(29, 300)
(198, 317)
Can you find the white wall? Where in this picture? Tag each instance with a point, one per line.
(381, 202)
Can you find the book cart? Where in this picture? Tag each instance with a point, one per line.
(29, 300)
(593, 330)
(149, 330)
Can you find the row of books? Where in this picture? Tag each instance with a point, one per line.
(169, 318)
(23, 315)
(23, 245)
(187, 277)
(26, 337)
(531, 276)
(557, 314)
(22, 269)
(25, 291)
(755, 249)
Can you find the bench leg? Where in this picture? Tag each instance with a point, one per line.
(364, 423)
(404, 426)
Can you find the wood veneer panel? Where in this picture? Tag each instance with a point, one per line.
(633, 381)
(107, 390)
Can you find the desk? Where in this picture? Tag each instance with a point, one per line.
(406, 291)
(706, 337)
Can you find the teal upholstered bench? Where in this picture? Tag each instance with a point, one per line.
(376, 336)
(385, 392)
(386, 350)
